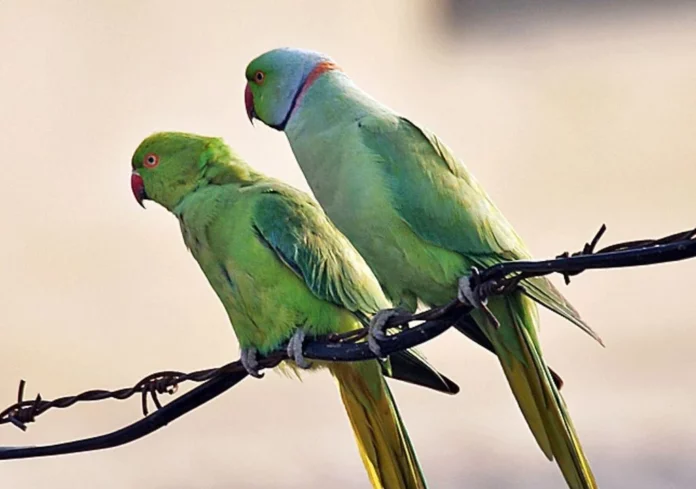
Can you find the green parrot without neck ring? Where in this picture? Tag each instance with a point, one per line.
(420, 220)
(281, 269)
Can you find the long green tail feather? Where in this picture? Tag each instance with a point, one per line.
(534, 389)
(383, 442)
(469, 328)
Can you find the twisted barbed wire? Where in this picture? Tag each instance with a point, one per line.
(499, 279)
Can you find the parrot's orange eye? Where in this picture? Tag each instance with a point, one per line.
(151, 160)
(259, 77)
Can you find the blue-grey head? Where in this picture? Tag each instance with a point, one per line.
(277, 79)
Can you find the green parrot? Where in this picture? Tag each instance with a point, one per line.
(420, 220)
(282, 270)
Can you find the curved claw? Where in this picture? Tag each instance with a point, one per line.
(376, 332)
(249, 362)
(477, 297)
(294, 349)
(467, 294)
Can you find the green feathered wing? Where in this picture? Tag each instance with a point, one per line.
(334, 271)
(442, 203)
(291, 226)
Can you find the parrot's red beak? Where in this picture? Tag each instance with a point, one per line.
(138, 188)
(249, 102)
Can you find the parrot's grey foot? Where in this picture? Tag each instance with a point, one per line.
(376, 332)
(249, 362)
(295, 349)
(477, 297)
(469, 295)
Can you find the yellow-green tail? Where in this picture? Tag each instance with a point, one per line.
(381, 436)
(535, 391)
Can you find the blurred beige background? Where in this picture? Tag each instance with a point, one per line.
(569, 121)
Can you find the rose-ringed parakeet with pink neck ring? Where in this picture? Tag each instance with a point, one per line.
(420, 220)
(282, 270)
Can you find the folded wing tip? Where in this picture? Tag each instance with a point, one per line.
(452, 388)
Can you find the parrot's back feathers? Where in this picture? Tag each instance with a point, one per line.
(452, 210)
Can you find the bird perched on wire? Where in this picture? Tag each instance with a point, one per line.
(420, 220)
(283, 271)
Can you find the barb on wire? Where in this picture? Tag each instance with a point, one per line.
(26, 411)
(496, 280)
(502, 277)
(220, 380)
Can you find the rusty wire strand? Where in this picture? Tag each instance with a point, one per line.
(499, 279)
